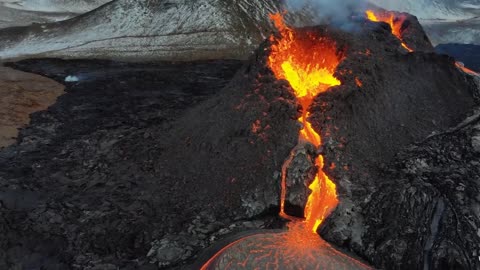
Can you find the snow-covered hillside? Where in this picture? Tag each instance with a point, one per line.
(26, 12)
(186, 29)
(434, 9)
(466, 32)
(69, 6)
(150, 29)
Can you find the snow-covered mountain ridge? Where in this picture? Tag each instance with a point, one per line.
(187, 30)
(450, 10)
(151, 29)
(25, 12)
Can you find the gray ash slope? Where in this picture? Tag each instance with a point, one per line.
(165, 29)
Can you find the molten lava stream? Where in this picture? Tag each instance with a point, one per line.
(395, 24)
(466, 70)
(308, 64)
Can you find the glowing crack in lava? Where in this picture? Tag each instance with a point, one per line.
(394, 22)
(308, 64)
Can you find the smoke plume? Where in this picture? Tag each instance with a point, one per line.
(337, 11)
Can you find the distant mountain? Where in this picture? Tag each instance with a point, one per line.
(153, 29)
(26, 12)
(465, 31)
(434, 9)
(445, 21)
(71, 6)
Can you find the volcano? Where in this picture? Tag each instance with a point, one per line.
(354, 147)
(353, 120)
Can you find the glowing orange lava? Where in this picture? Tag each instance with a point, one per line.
(358, 82)
(308, 64)
(465, 69)
(394, 22)
(293, 249)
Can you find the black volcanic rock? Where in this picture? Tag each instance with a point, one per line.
(81, 183)
(134, 153)
(424, 214)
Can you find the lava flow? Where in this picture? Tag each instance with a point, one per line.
(466, 70)
(308, 64)
(394, 22)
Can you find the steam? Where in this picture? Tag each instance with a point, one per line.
(337, 11)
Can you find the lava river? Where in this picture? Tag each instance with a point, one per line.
(308, 64)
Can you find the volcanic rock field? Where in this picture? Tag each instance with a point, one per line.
(269, 140)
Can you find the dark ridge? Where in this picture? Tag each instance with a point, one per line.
(468, 54)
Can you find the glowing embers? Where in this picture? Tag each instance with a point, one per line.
(308, 63)
(395, 23)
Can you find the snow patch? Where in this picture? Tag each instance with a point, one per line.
(72, 78)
